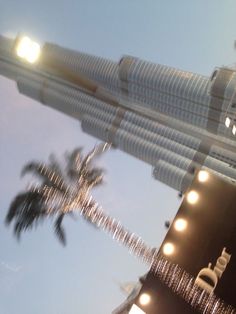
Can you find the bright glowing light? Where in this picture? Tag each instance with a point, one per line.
(136, 310)
(28, 49)
(144, 299)
(227, 122)
(22, 47)
(180, 224)
(234, 130)
(168, 248)
(192, 197)
(203, 176)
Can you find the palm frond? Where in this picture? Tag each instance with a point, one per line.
(17, 202)
(94, 177)
(47, 173)
(55, 165)
(74, 160)
(61, 191)
(59, 230)
(27, 209)
(96, 152)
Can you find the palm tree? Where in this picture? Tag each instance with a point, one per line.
(63, 191)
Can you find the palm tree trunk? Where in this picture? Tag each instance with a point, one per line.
(177, 279)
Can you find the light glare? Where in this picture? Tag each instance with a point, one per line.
(180, 224)
(234, 130)
(22, 47)
(192, 197)
(227, 122)
(136, 310)
(168, 248)
(144, 299)
(203, 176)
(28, 49)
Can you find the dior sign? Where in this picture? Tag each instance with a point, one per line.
(206, 249)
(208, 278)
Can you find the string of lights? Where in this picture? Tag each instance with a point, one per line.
(178, 280)
(171, 274)
(185, 99)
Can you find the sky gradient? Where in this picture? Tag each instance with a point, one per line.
(38, 275)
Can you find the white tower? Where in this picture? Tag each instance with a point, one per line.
(174, 120)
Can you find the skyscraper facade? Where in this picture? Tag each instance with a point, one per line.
(174, 120)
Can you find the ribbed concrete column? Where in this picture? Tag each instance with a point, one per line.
(6, 46)
(146, 150)
(77, 104)
(95, 68)
(152, 85)
(165, 79)
(174, 177)
(63, 98)
(182, 150)
(179, 137)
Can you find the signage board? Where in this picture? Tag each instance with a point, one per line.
(202, 240)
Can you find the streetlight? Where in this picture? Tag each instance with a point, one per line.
(27, 49)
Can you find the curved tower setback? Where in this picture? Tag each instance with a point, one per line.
(176, 121)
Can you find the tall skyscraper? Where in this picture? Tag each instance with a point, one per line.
(174, 120)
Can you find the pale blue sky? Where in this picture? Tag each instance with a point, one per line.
(38, 275)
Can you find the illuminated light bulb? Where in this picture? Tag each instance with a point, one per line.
(234, 130)
(180, 224)
(136, 310)
(144, 299)
(28, 49)
(227, 122)
(203, 176)
(33, 53)
(23, 46)
(168, 248)
(192, 197)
